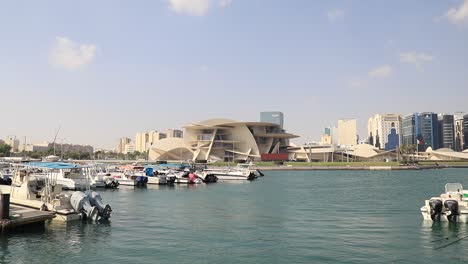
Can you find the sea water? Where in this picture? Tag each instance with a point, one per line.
(284, 217)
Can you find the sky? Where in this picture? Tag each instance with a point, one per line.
(105, 69)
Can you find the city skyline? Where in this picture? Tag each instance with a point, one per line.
(112, 70)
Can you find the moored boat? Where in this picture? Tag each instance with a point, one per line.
(451, 206)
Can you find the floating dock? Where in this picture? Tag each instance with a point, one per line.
(22, 216)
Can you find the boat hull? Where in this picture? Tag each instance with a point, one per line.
(462, 216)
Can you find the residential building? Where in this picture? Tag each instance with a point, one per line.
(13, 143)
(347, 134)
(446, 131)
(145, 139)
(274, 117)
(122, 142)
(458, 130)
(384, 131)
(129, 148)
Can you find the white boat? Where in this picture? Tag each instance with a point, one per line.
(240, 172)
(183, 177)
(451, 206)
(43, 191)
(127, 179)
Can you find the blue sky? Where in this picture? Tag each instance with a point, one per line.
(106, 69)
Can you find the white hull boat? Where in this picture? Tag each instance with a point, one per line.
(43, 191)
(451, 206)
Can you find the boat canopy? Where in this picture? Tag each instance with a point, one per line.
(53, 165)
(453, 187)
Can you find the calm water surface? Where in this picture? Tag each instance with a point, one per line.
(284, 217)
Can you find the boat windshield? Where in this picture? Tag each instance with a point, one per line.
(453, 187)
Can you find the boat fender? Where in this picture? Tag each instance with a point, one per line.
(436, 209)
(452, 210)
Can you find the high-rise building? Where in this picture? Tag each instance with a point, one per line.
(408, 130)
(13, 143)
(465, 132)
(129, 148)
(274, 117)
(174, 133)
(384, 131)
(347, 134)
(421, 129)
(122, 143)
(446, 131)
(458, 131)
(145, 139)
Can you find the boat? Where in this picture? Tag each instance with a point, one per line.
(450, 206)
(44, 191)
(127, 175)
(184, 177)
(100, 178)
(70, 176)
(240, 172)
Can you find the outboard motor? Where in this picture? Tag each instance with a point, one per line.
(260, 173)
(96, 200)
(80, 202)
(452, 208)
(436, 209)
(210, 178)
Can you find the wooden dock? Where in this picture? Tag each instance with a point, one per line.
(21, 216)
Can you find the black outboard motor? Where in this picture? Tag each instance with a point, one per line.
(452, 207)
(210, 178)
(436, 209)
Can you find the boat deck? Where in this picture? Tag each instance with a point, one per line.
(21, 216)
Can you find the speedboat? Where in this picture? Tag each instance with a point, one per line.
(184, 177)
(451, 206)
(44, 191)
(69, 176)
(241, 172)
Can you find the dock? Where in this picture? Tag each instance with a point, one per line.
(22, 216)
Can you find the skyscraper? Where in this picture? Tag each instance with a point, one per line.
(446, 131)
(347, 134)
(145, 139)
(122, 143)
(274, 117)
(465, 132)
(384, 131)
(421, 129)
(458, 131)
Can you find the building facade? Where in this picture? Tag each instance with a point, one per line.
(273, 117)
(384, 131)
(446, 131)
(122, 142)
(465, 132)
(224, 140)
(174, 133)
(458, 131)
(144, 140)
(421, 129)
(347, 133)
(13, 143)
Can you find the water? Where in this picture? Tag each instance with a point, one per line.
(285, 217)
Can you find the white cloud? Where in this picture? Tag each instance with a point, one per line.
(416, 58)
(224, 3)
(383, 71)
(458, 15)
(334, 15)
(196, 7)
(70, 55)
